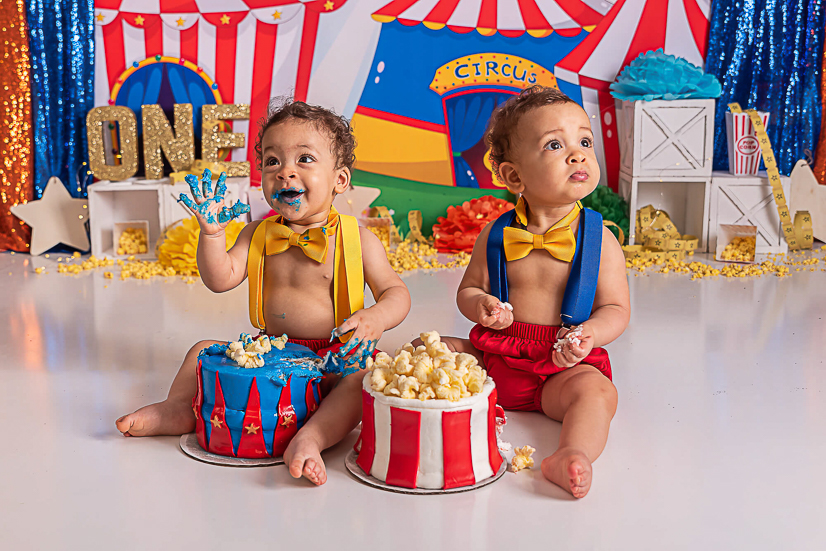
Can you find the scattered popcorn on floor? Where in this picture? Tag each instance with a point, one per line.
(777, 264)
(428, 372)
(522, 458)
(411, 255)
(40, 270)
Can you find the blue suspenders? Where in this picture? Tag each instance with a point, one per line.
(582, 281)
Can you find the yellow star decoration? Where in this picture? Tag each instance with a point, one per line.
(180, 21)
(100, 17)
(139, 20)
(216, 422)
(329, 5)
(195, 411)
(276, 15)
(289, 419)
(225, 19)
(252, 428)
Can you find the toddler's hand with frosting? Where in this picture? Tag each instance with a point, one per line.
(494, 314)
(568, 352)
(367, 328)
(208, 207)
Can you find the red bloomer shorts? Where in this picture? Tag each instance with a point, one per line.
(518, 358)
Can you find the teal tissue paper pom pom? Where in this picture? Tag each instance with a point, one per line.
(655, 75)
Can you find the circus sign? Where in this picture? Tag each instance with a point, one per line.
(490, 69)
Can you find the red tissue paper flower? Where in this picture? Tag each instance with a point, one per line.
(464, 223)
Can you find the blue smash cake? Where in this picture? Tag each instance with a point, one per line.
(254, 394)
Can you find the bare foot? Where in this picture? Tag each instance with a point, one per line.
(570, 469)
(164, 418)
(303, 457)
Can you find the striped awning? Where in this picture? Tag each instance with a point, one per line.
(511, 18)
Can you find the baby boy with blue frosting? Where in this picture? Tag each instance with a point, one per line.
(307, 268)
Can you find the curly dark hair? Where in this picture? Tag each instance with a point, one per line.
(502, 124)
(342, 141)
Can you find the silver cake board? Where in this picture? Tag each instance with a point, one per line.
(190, 446)
(356, 471)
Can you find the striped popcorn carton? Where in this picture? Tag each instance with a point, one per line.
(743, 147)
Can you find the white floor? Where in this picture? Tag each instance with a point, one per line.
(719, 441)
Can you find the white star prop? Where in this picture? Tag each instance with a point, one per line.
(56, 218)
(808, 194)
(356, 200)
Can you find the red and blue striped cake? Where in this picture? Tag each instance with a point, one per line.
(254, 412)
(433, 444)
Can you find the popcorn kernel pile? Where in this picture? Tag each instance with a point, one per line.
(410, 255)
(741, 249)
(248, 352)
(132, 241)
(428, 372)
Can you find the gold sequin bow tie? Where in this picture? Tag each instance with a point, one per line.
(312, 242)
(559, 241)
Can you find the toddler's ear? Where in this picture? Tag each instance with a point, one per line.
(510, 177)
(342, 180)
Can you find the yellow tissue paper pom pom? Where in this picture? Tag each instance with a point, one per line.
(180, 245)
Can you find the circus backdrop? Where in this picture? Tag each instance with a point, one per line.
(418, 77)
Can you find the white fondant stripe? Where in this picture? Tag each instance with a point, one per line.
(381, 416)
(431, 451)
(479, 441)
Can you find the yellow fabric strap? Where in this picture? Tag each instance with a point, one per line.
(348, 269)
(559, 241)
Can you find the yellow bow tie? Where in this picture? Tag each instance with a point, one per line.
(312, 242)
(559, 241)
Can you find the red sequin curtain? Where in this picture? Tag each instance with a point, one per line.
(16, 171)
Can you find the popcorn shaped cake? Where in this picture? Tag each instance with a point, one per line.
(254, 394)
(429, 419)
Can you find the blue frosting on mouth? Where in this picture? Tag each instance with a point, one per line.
(279, 196)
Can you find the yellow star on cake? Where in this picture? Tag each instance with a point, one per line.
(289, 419)
(252, 429)
(56, 218)
(216, 422)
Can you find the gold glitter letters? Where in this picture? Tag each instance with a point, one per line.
(125, 118)
(212, 139)
(158, 135)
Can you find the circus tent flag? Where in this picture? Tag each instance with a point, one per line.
(442, 66)
(630, 28)
(208, 51)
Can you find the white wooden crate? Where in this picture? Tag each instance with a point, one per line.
(665, 138)
(686, 200)
(154, 201)
(747, 200)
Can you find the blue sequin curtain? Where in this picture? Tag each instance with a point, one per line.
(62, 47)
(766, 54)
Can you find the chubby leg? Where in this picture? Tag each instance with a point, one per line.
(174, 415)
(585, 401)
(337, 415)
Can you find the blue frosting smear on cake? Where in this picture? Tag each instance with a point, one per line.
(295, 363)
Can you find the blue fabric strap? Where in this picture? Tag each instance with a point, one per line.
(496, 256)
(582, 281)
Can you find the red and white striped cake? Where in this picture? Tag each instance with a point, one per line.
(433, 444)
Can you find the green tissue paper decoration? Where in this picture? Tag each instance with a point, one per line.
(611, 206)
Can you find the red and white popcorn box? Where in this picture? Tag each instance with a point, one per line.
(743, 147)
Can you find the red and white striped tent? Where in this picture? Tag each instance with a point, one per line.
(253, 49)
(630, 28)
(511, 18)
